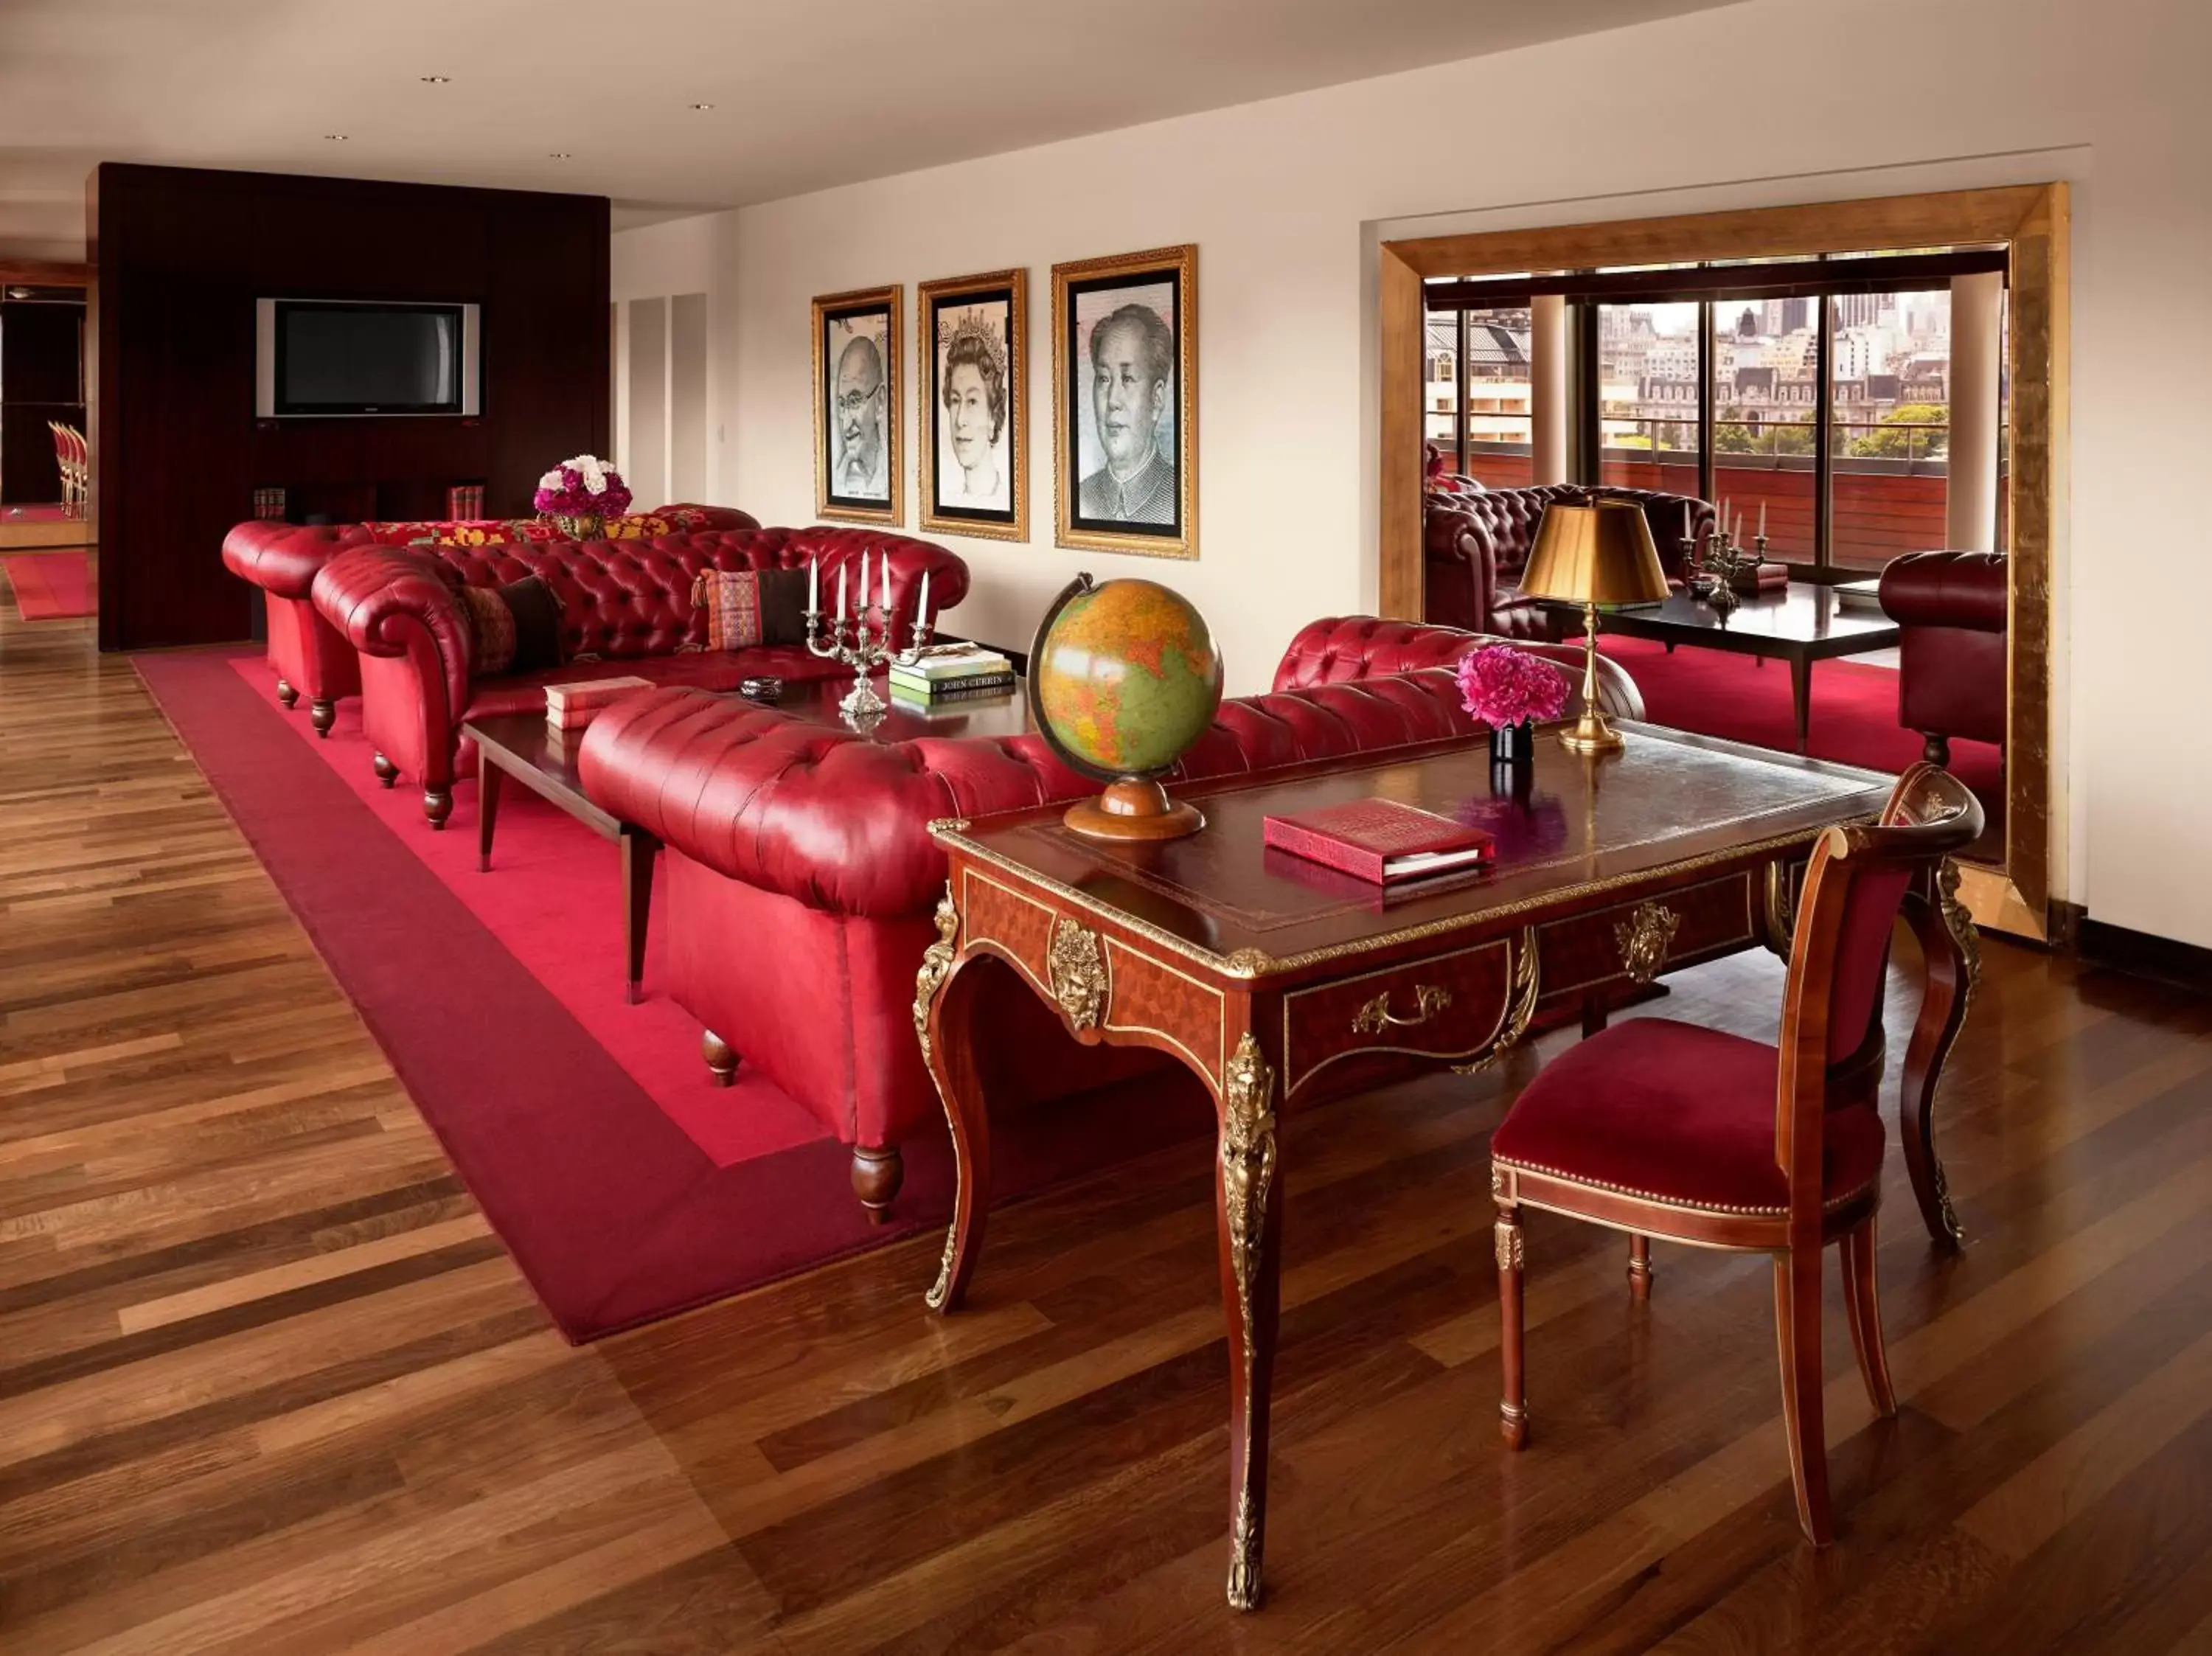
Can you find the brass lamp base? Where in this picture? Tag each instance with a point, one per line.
(1592, 733)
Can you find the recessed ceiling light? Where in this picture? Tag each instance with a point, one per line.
(334, 137)
(702, 107)
(558, 155)
(437, 80)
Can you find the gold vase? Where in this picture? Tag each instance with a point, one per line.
(579, 525)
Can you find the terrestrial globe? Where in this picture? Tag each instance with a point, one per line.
(1123, 677)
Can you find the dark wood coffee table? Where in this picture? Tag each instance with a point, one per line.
(1801, 625)
(815, 701)
(524, 746)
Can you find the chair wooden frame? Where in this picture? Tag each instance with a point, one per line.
(1929, 817)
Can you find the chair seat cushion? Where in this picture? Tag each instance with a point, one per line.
(1677, 1113)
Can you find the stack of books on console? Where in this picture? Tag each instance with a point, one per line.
(961, 673)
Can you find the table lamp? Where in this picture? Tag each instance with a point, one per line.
(1593, 552)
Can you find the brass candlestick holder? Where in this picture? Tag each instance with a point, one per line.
(864, 647)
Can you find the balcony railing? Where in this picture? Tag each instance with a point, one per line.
(1883, 505)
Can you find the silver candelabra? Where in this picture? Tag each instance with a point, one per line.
(1720, 561)
(864, 648)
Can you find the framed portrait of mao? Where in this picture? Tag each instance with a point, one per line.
(971, 359)
(1125, 403)
(856, 406)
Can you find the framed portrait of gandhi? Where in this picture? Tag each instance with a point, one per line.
(856, 406)
(1125, 403)
(971, 335)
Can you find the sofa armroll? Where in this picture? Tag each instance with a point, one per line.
(388, 601)
(283, 559)
(1966, 590)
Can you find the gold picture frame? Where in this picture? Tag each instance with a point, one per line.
(1161, 519)
(846, 482)
(988, 316)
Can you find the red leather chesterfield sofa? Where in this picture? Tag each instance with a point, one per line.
(307, 654)
(801, 879)
(1475, 543)
(1951, 609)
(626, 610)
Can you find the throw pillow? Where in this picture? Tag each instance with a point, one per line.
(749, 607)
(515, 628)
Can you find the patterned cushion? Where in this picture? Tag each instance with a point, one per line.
(516, 627)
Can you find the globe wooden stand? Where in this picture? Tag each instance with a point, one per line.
(1134, 808)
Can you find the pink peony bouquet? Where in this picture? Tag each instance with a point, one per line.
(1502, 686)
(581, 487)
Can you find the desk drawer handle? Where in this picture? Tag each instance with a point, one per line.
(1375, 1017)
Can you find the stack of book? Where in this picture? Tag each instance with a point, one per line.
(1864, 597)
(959, 674)
(572, 706)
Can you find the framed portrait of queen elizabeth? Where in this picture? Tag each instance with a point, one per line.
(971, 335)
(1125, 403)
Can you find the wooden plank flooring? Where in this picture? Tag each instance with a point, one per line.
(269, 1384)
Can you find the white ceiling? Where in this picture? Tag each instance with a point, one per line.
(806, 92)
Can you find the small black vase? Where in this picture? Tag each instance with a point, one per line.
(1513, 744)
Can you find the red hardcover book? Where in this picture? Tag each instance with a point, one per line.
(1380, 841)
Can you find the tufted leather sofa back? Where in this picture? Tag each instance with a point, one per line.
(625, 600)
(1504, 520)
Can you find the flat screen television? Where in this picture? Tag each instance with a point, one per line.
(330, 357)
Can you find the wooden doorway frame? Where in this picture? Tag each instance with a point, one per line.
(2031, 222)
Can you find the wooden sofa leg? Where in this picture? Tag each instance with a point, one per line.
(877, 1175)
(1639, 1267)
(721, 1062)
(386, 772)
(322, 714)
(286, 694)
(1936, 749)
(437, 805)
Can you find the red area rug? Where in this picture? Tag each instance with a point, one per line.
(626, 1186)
(35, 515)
(50, 586)
(1854, 719)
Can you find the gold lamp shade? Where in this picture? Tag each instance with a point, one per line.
(1596, 553)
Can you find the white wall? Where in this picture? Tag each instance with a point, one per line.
(1287, 199)
(673, 441)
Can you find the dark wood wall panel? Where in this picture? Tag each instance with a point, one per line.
(182, 255)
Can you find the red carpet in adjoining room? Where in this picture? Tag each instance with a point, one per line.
(626, 1186)
(50, 586)
(35, 515)
(1854, 719)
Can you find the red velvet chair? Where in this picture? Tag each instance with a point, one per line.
(1665, 1129)
(1951, 609)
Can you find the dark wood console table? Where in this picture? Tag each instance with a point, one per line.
(1259, 971)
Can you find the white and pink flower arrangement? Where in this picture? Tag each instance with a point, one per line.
(1504, 687)
(583, 487)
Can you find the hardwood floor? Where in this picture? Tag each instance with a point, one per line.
(268, 1384)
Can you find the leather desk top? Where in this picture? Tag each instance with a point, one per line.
(1671, 799)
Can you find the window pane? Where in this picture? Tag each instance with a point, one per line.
(1648, 397)
(1500, 429)
(1891, 359)
(1440, 387)
(1766, 401)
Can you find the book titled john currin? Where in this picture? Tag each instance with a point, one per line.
(1380, 841)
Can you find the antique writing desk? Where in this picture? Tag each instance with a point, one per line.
(1259, 971)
